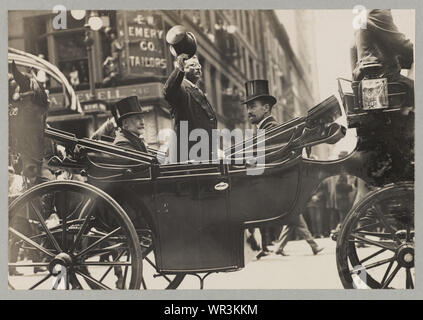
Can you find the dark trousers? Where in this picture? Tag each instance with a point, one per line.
(316, 219)
(298, 226)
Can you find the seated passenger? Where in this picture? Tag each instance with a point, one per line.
(130, 123)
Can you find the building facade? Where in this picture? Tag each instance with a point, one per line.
(128, 55)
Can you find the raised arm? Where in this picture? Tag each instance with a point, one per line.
(172, 86)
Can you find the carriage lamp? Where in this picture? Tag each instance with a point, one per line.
(375, 94)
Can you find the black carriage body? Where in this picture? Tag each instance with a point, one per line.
(197, 226)
(198, 212)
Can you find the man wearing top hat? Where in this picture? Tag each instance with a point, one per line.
(186, 100)
(259, 107)
(130, 121)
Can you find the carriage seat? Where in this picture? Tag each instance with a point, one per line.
(106, 167)
(317, 127)
(325, 112)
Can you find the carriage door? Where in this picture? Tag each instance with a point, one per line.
(193, 220)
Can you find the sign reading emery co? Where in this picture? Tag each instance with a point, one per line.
(146, 91)
(143, 32)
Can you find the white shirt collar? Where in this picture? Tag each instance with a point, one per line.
(191, 83)
(262, 121)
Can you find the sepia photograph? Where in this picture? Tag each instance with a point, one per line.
(213, 149)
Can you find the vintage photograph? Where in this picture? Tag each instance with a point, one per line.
(211, 149)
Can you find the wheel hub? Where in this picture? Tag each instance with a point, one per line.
(62, 260)
(401, 235)
(405, 256)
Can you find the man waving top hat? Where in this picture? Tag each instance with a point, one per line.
(187, 102)
(130, 121)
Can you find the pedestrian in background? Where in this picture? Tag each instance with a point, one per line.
(299, 227)
(316, 209)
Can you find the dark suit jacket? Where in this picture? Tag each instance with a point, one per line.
(187, 102)
(269, 123)
(128, 140)
(382, 43)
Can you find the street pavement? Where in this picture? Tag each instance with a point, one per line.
(300, 270)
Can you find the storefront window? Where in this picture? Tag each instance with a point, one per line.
(72, 57)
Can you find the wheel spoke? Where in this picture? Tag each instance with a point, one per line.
(143, 284)
(409, 279)
(95, 244)
(378, 263)
(104, 263)
(391, 277)
(88, 206)
(62, 214)
(30, 242)
(67, 279)
(43, 234)
(102, 251)
(375, 243)
(76, 285)
(372, 255)
(125, 273)
(387, 271)
(46, 229)
(110, 268)
(376, 234)
(40, 282)
(28, 265)
(372, 225)
(91, 279)
(78, 207)
(383, 220)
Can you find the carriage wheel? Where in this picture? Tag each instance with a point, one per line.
(375, 248)
(72, 236)
(152, 277)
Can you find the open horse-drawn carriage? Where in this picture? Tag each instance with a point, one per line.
(136, 223)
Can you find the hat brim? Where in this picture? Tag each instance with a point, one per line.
(126, 115)
(260, 96)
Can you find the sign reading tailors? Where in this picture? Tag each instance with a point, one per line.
(145, 48)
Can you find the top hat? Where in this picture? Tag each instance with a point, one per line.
(126, 107)
(258, 89)
(181, 41)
